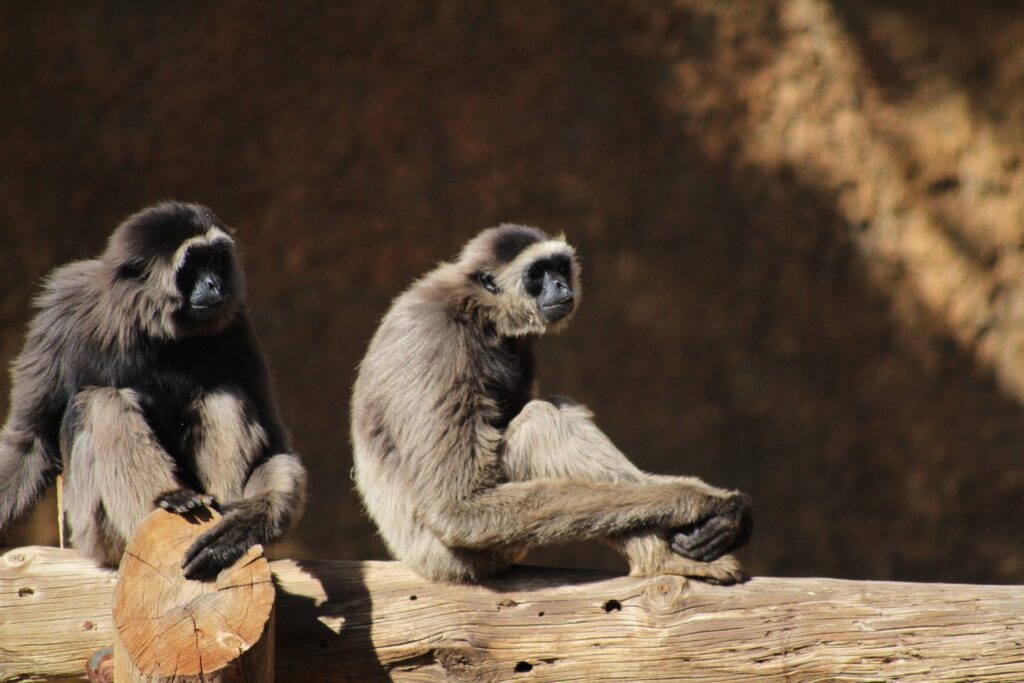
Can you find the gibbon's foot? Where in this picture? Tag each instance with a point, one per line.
(726, 529)
(649, 555)
(184, 501)
(725, 571)
(219, 547)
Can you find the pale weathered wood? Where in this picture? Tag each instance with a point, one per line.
(168, 628)
(366, 621)
(54, 613)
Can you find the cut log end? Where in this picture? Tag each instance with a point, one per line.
(168, 627)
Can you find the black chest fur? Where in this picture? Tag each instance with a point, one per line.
(507, 370)
(170, 378)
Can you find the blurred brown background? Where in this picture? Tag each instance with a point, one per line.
(801, 222)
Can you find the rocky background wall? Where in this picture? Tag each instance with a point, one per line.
(801, 222)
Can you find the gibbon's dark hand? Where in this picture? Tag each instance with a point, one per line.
(219, 547)
(726, 529)
(185, 500)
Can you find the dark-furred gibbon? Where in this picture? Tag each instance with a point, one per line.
(141, 380)
(463, 470)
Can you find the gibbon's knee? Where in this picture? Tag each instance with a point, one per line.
(116, 427)
(110, 438)
(556, 437)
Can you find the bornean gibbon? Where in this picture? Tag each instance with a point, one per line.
(142, 380)
(463, 470)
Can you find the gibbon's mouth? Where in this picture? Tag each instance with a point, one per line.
(556, 311)
(205, 311)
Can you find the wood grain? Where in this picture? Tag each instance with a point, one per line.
(367, 621)
(169, 628)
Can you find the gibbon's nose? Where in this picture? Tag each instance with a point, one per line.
(207, 292)
(556, 290)
(556, 297)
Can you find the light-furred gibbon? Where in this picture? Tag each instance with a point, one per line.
(463, 470)
(142, 380)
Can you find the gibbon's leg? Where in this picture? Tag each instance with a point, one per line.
(116, 470)
(556, 438)
(259, 509)
(536, 512)
(523, 514)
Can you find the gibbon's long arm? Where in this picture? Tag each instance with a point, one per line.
(28, 464)
(546, 511)
(272, 500)
(29, 443)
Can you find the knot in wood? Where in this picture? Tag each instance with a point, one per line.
(666, 592)
(460, 660)
(17, 558)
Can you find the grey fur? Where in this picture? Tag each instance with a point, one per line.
(112, 346)
(458, 487)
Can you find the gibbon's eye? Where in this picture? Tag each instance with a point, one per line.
(563, 264)
(217, 261)
(536, 271)
(486, 280)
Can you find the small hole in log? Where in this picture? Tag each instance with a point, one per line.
(612, 606)
(540, 614)
(412, 597)
(523, 667)
(22, 592)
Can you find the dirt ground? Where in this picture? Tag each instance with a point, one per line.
(801, 222)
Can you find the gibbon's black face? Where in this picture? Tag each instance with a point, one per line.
(205, 280)
(178, 264)
(549, 281)
(528, 282)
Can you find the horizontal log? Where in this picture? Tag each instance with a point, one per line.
(366, 621)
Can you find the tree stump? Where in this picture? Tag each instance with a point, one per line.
(169, 628)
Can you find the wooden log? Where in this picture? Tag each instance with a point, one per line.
(54, 613)
(169, 628)
(369, 621)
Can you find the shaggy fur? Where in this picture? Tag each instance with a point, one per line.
(138, 391)
(463, 472)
